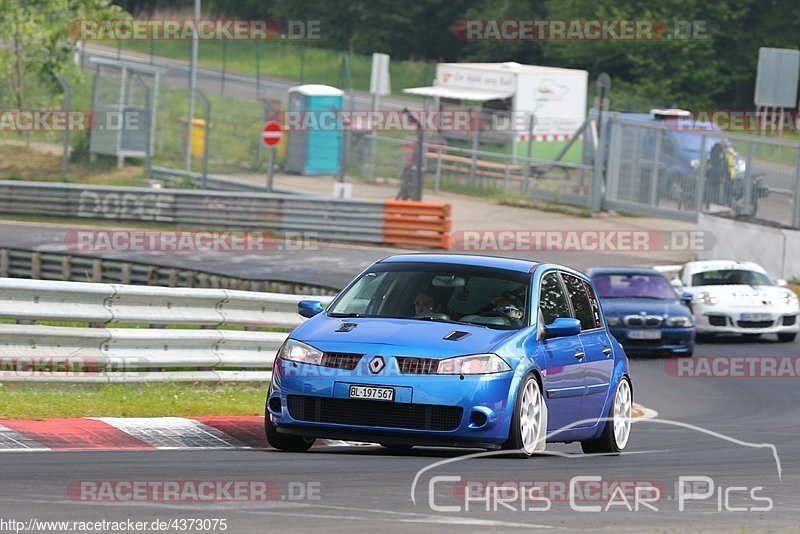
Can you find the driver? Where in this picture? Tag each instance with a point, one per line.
(508, 307)
(424, 304)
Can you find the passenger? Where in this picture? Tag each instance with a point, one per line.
(508, 307)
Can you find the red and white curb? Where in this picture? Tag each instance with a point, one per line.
(155, 433)
(145, 433)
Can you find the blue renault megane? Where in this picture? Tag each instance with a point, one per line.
(454, 350)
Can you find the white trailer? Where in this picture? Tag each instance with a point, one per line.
(555, 96)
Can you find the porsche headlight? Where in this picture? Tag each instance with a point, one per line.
(475, 364)
(679, 322)
(612, 320)
(295, 351)
(789, 298)
(706, 298)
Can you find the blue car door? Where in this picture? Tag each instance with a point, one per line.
(598, 356)
(562, 356)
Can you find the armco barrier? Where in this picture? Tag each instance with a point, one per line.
(320, 217)
(20, 263)
(418, 224)
(103, 351)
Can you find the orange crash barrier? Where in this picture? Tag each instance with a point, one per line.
(418, 224)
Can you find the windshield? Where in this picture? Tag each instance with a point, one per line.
(731, 277)
(438, 292)
(653, 286)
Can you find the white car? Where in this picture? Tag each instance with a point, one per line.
(736, 297)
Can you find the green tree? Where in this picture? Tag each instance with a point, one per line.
(36, 43)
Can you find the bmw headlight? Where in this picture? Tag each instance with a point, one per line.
(475, 364)
(679, 322)
(706, 298)
(295, 351)
(612, 320)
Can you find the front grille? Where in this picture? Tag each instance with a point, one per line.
(643, 320)
(788, 320)
(717, 320)
(382, 414)
(417, 366)
(755, 324)
(341, 360)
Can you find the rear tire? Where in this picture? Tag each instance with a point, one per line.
(786, 338)
(618, 425)
(529, 424)
(284, 442)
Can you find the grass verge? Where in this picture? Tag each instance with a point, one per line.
(46, 401)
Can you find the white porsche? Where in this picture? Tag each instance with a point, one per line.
(736, 297)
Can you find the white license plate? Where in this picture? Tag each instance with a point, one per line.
(373, 393)
(756, 317)
(644, 334)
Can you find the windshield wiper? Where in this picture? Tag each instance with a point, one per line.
(434, 320)
(349, 315)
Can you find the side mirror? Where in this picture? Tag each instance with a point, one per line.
(562, 327)
(309, 308)
(676, 283)
(686, 299)
(781, 282)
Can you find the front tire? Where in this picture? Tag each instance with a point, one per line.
(529, 423)
(618, 425)
(787, 338)
(284, 442)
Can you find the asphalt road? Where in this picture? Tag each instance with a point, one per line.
(368, 489)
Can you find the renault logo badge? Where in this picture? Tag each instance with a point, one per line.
(376, 365)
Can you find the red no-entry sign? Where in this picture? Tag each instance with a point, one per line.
(272, 133)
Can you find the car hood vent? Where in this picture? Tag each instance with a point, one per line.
(346, 327)
(456, 335)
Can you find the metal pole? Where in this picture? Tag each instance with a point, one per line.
(192, 88)
(258, 70)
(529, 153)
(67, 108)
(270, 171)
(473, 167)
(302, 64)
(373, 141)
(207, 105)
(224, 65)
(418, 182)
(343, 158)
(438, 170)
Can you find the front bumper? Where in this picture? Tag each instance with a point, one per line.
(427, 410)
(716, 321)
(673, 340)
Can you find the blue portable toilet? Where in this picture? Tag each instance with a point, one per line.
(316, 147)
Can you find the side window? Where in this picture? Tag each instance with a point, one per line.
(580, 301)
(552, 300)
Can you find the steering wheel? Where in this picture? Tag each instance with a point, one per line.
(439, 316)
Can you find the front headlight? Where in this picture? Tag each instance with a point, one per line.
(706, 298)
(612, 320)
(789, 298)
(295, 351)
(475, 364)
(695, 163)
(679, 322)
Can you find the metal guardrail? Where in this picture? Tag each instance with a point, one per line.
(317, 217)
(326, 218)
(20, 263)
(236, 336)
